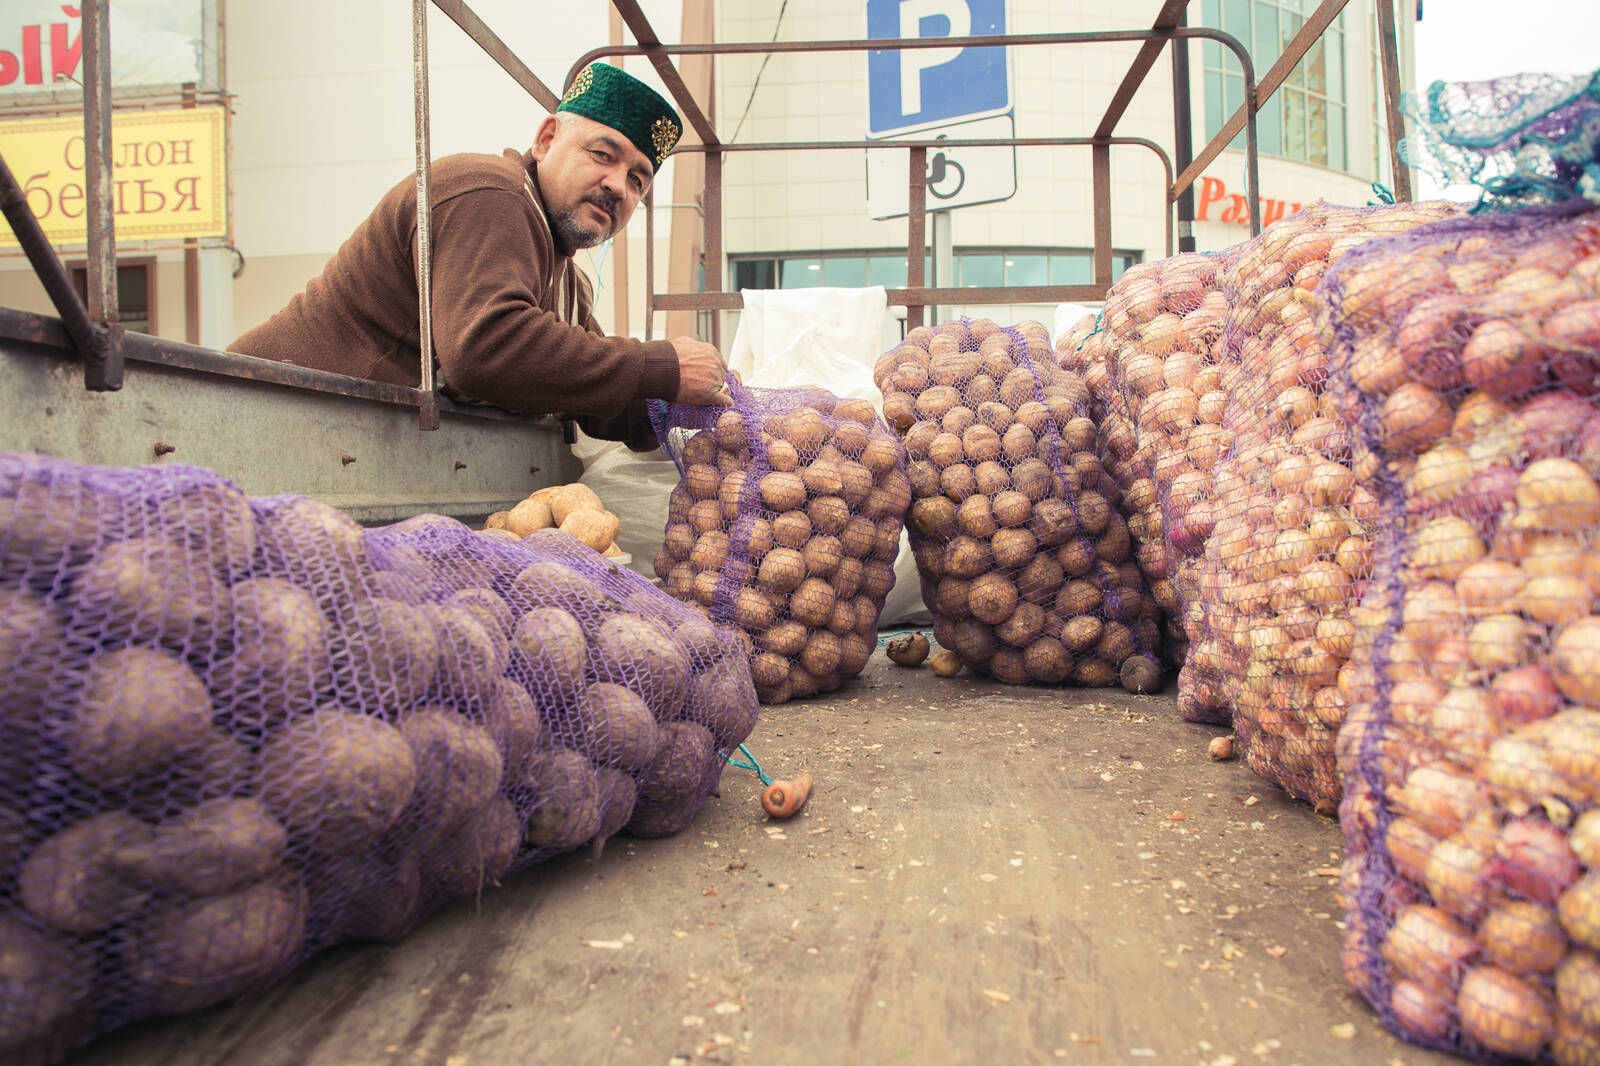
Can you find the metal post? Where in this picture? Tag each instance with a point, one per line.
(649, 264)
(1388, 54)
(917, 231)
(944, 258)
(1182, 136)
(428, 399)
(102, 369)
(1100, 167)
(711, 248)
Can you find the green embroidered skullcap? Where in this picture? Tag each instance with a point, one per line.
(617, 99)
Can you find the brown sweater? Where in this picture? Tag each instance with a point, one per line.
(512, 319)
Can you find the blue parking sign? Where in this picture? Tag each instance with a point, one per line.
(919, 87)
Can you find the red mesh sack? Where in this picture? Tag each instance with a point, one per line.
(1467, 354)
(1025, 558)
(238, 731)
(786, 526)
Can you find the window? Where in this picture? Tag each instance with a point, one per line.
(1306, 118)
(974, 268)
(136, 292)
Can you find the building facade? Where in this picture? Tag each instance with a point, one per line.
(320, 126)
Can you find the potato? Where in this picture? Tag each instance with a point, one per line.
(551, 583)
(553, 651)
(678, 774)
(812, 602)
(210, 848)
(214, 522)
(33, 646)
(616, 728)
(472, 653)
(45, 982)
(574, 497)
(458, 767)
(73, 880)
(597, 529)
(782, 491)
(190, 954)
(509, 715)
(497, 522)
(149, 589)
(313, 545)
(822, 555)
(993, 598)
(1026, 622)
(391, 649)
(280, 639)
(526, 517)
(791, 529)
(635, 652)
(830, 514)
(723, 699)
(558, 799)
(59, 519)
(1045, 659)
(336, 779)
(373, 893)
(477, 853)
(139, 709)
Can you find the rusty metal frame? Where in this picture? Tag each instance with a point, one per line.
(94, 333)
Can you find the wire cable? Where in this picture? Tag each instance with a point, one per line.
(760, 71)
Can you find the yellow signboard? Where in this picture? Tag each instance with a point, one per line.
(169, 176)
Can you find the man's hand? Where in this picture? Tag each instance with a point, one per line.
(702, 375)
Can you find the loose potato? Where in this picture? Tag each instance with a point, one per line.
(336, 779)
(574, 497)
(597, 529)
(191, 954)
(139, 709)
(458, 767)
(74, 882)
(526, 517)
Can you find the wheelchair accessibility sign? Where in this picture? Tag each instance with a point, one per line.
(932, 93)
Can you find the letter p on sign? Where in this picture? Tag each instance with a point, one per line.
(917, 88)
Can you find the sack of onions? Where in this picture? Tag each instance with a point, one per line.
(1160, 323)
(1025, 558)
(786, 524)
(1468, 353)
(1280, 519)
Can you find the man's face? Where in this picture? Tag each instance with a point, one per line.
(591, 178)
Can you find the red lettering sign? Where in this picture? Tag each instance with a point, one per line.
(1234, 208)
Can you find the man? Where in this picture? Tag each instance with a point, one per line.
(513, 321)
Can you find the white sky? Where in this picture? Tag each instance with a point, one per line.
(1475, 40)
(1471, 40)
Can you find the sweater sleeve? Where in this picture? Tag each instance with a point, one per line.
(494, 341)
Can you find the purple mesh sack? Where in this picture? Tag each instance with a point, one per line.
(1025, 559)
(1523, 140)
(1467, 354)
(786, 526)
(238, 731)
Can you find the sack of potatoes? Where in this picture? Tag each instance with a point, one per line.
(786, 525)
(238, 731)
(574, 508)
(1024, 554)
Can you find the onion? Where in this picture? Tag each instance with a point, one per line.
(1504, 1013)
(1552, 421)
(1558, 494)
(1440, 799)
(1489, 585)
(1478, 411)
(1584, 839)
(1525, 694)
(1502, 360)
(1573, 334)
(1466, 720)
(1556, 599)
(1578, 990)
(1430, 947)
(1446, 546)
(1520, 773)
(1408, 846)
(1575, 661)
(1442, 474)
(1523, 938)
(1457, 874)
(1502, 641)
(1534, 861)
(1579, 909)
(1421, 1013)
